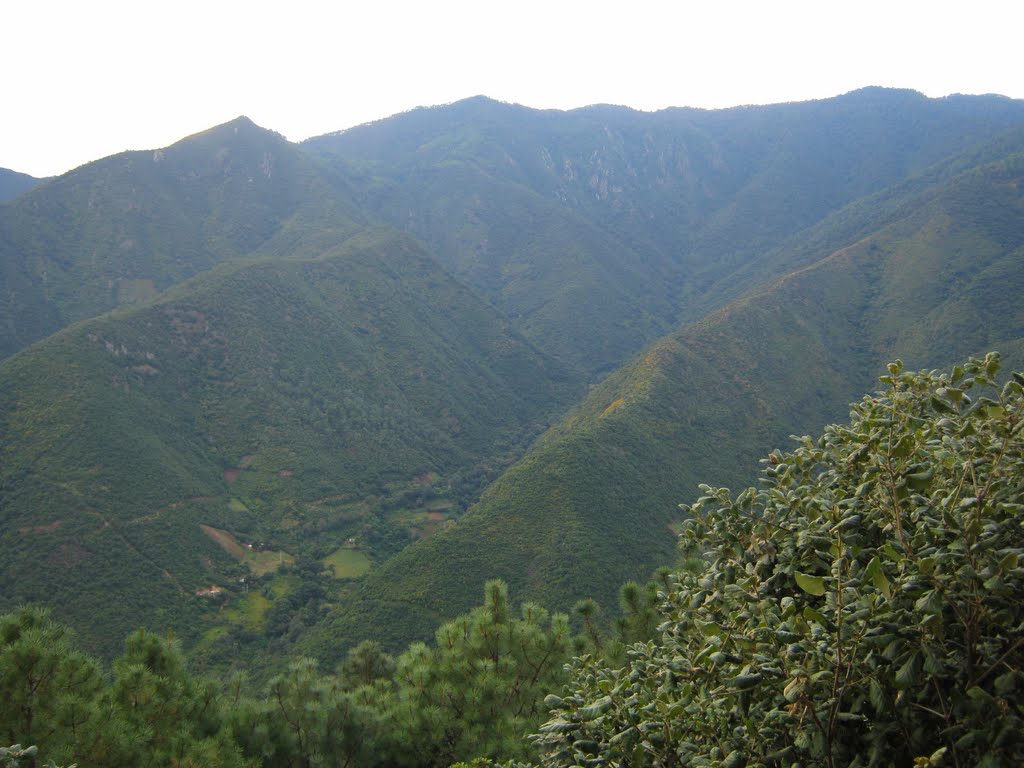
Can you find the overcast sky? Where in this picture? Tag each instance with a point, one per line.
(86, 79)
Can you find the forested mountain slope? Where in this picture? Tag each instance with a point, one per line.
(122, 229)
(239, 376)
(683, 198)
(291, 405)
(592, 504)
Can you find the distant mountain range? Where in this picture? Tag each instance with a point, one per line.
(13, 184)
(282, 397)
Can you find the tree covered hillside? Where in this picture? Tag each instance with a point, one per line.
(13, 184)
(628, 223)
(861, 607)
(120, 230)
(351, 396)
(284, 398)
(593, 502)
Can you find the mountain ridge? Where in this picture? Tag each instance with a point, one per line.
(321, 367)
(126, 227)
(687, 197)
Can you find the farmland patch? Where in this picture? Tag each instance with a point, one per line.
(258, 561)
(348, 563)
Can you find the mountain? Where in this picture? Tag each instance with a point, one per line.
(291, 402)
(593, 503)
(599, 230)
(13, 184)
(254, 362)
(122, 229)
(283, 397)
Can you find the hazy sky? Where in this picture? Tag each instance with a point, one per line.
(88, 78)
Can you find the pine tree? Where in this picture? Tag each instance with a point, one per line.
(168, 717)
(49, 691)
(481, 688)
(307, 719)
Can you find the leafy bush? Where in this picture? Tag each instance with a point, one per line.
(864, 607)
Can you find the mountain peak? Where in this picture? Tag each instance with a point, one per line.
(240, 129)
(243, 125)
(241, 121)
(876, 91)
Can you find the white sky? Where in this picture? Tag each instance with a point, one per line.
(83, 79)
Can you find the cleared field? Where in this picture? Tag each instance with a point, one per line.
(347, 563)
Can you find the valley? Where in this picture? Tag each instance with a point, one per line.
(282, 398)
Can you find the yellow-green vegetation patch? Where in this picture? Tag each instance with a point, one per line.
(348, 563)
(236, 505)
(227, 542)
(209, 637)
(615, 404)
(268, 561)
(283, 585)
(410, 517)
(214, 633)
(422, 522)
(249, 611)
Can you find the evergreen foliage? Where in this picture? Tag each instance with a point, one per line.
(169, 717)
(308, 720)
(476, 692)
(48, 688)
(153, 713)
(863, 607)
(482, 682)
(364, 665)
(12, 757)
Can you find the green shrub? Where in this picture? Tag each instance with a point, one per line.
(864, 607)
